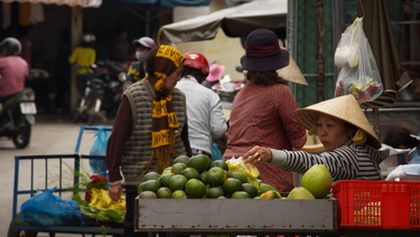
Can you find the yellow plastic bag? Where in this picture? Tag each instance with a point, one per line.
(251, 172)
(101, 200)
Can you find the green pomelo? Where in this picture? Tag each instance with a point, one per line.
(216, 176)
(147, 195)
(215, 192)
(232, 185)
(190, 173)
(163, 192)
(167, 170)
(264, 187)
(178, 168)
(204, 176)
(300, 193)
(181, 159)
(317, 180)
(238, 175)
(164, 179)
(195, 188)
(220, 163)
(199, 162)
(250, 189)
(179, 194)
(240, 195)
(149, 185)
(150, 176)
(177, 182)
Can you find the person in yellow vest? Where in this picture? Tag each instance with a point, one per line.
(83, 57)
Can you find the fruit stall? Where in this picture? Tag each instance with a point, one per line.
(196, 195)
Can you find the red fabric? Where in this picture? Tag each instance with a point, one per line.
(13, 72)
(264, 116)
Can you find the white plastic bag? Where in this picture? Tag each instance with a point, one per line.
(359, 74)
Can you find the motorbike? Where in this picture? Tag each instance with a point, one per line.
(17, 115)
(101, 94)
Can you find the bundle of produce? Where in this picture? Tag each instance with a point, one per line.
(199, 177)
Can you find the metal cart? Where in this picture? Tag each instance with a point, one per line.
(44, 168)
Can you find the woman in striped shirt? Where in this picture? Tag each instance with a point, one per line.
(351, 145)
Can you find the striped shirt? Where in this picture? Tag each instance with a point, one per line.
(347, 162)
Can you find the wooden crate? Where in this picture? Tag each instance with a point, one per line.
(235, 215)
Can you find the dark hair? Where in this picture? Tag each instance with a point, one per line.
(197, 74)
(264, 78)
(400, 136)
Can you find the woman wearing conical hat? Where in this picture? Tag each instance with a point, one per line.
(351, 145)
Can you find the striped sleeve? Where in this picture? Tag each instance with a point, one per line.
(342, 163)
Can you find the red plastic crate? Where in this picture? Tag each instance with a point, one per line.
(378, 204)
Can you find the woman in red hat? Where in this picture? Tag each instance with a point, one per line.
(263, 111)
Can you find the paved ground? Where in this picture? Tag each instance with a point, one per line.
(49, 136)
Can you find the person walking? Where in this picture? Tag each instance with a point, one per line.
(150, 128)
(206, 121)
(136, 70)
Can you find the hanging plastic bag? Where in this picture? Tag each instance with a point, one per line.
(98, 166)
(359, 74)
(46, 209)
(215, 152)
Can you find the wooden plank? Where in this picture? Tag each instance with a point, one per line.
(233, 215)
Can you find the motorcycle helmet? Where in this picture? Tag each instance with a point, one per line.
(10, 46)
(197, 61)
(145, 42)
(88, 38)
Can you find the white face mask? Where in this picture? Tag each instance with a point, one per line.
(141, 56)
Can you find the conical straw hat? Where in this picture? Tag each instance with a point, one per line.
(292, 72)
(345, 108)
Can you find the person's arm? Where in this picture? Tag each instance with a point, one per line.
(73, 56)
(218, 125)
(287, 107)
(120, 133)
(185, 139)
(341, 163)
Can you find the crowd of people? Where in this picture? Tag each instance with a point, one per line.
(169, 111)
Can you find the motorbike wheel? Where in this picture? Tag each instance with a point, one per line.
(75, 116)
(22, 135)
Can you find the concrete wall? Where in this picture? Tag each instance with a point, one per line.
(222, 50)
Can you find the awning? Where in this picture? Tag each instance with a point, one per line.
(166, 3)
(235, 21)
(82, 3)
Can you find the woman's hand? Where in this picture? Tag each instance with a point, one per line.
(115, 192)
(257, 154)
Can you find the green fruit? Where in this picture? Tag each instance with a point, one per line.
(216, 176)
(179, 194)
(147, 195)
(317, 180)
(215, 192)
(266, 187)
(250, 189)
(176, 182)
(232, 185)
(220, 163)
(190, 173)
(204, 176)
(164, 179)
(181, 159)
(240, 195)
(178, 168)
(199, 162)
(163, 192)
(195, 188)
(300, 193)
(167, 170)
(238, 175)
(270, 194)
(149, 185)
(151, 175)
